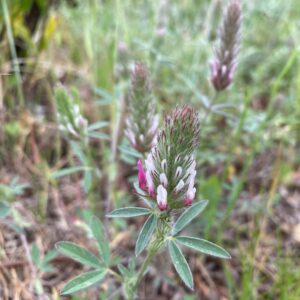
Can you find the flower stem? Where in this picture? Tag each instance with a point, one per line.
(210, 107)
(115, 274)
(156, 245)
(144, 266)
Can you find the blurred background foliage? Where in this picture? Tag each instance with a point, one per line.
(248, 154)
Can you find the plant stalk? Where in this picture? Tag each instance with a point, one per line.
(13, 52)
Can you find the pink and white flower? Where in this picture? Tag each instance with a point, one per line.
(161, 198)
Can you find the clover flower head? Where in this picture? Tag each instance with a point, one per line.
(224, 63)
(170, 167)
(142, 121)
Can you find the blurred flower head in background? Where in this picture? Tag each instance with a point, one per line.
(142, 121)
(224, 63)
(68, 113)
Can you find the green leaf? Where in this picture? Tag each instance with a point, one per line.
(123, 270)
(83, 281)
(4, 209)
(203, 246)
(138, 189)
(35, 254)
(66, 171)
(78, 151)
(143, 196)
(79, 254)
(190, 214)
(50, 255)
(98, 135)
(87, 181)
(145, 234)
(128, 212)
(180, 264)
(97, 125)
(98, 233)
(130, 151)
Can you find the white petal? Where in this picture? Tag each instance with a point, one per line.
(71, 129)
(164, 164)
(179, 186)
(178, 172)
(162, 195)
(163, 179)
(150, 163)
(130, 136)
(150, 182)
(191, 177)
(76, 109)
(177, 158)
(154, 125)
(191, 167)
(190, 194)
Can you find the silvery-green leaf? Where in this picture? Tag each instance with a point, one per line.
(83, 281)
(145, 234)
(180, 264)
(203, 246)
(4, 209)
(190, 214)
(98, 233)
(128, 212)
(79, 254)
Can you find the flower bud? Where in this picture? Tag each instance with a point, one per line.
(161, 198)
(224, 63)
(141, 176)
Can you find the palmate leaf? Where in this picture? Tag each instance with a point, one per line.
(128, 212)
(180, 264)
(98, 233)
(79, 254)
(83, 281)
(190, 214)
(145, 234)
(203, 246)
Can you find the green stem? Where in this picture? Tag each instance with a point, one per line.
(150, 255)
(13, 52)
(115, 274)
(209, 108)
(162, 231)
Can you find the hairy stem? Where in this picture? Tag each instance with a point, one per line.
(150, 255)
(162, 231)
